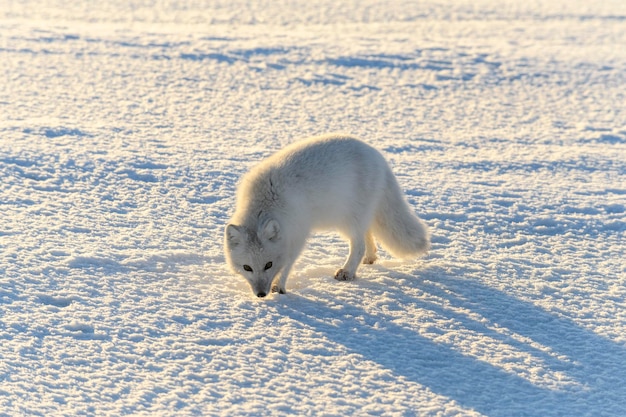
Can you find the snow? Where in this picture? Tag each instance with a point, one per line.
(124, 127)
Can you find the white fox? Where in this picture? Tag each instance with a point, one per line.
(327, 182)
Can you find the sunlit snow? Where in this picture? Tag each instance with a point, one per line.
(125, 126)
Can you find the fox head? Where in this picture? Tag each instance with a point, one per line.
(256, 255)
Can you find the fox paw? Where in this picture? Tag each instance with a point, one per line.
(343, 275)
(275, 288)
(369, 260)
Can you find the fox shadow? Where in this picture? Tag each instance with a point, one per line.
(596, 364)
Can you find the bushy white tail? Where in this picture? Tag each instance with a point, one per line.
(396, 227)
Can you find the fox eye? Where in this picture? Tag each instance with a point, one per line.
(247, 268)
(268, 266)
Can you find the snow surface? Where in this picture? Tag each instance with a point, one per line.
(125, 125)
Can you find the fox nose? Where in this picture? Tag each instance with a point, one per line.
(261, 294)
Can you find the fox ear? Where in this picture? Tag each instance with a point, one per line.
(271, 231)
(233, 235)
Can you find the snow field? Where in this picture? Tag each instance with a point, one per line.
(125, 126)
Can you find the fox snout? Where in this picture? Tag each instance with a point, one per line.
(262, 289)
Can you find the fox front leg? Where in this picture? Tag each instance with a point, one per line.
(281, 283)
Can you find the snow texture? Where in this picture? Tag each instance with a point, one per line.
(125, 126)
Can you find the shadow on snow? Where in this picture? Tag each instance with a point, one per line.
(597, 365)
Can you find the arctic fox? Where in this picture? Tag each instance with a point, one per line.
(328, 182)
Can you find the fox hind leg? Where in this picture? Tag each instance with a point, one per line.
(357, 250)
(370, 249)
